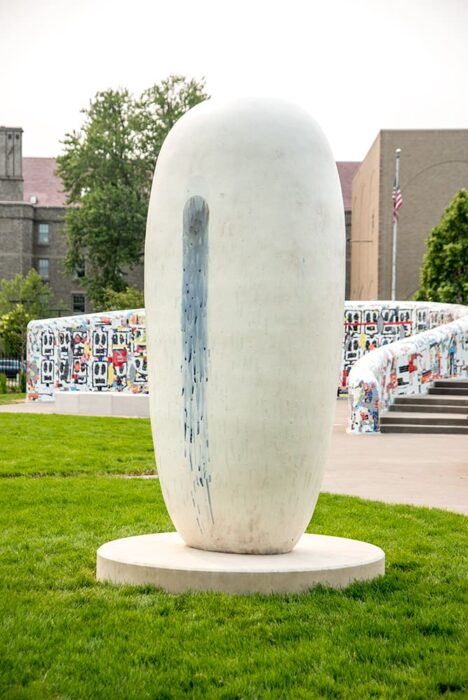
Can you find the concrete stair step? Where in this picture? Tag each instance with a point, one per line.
(430, 400)
(420, 407)
(463, 383)
(444, 409)
(423, 419)
(421, 428)
(448, 390)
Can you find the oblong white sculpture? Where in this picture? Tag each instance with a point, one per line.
(244, 289)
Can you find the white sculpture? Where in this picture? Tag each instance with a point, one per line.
(244, 300)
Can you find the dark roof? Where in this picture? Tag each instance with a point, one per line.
(41, 181)
(346, 171)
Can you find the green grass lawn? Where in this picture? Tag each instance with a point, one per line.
(62, 635)
(11, 398)
(40, 445)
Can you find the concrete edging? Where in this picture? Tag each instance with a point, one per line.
(106, 403)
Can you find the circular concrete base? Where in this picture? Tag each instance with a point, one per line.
(165, 561)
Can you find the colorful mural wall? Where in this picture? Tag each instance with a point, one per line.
(405, 367)
(373, 324)
(93, 352)
(107, 351)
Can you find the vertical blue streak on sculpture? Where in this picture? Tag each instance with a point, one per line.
(195, 353)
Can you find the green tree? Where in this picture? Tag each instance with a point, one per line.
(444, 272)
(31, 292)
(14, 331)
(22, 299)
(107, 169)
(159, 108)
(129, 298)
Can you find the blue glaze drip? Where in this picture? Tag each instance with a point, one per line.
(195, 353)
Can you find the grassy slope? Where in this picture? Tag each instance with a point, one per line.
(40, 445)
(65, 636)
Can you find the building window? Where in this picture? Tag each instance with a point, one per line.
(43, 234)
(43, 268)
(78, 303)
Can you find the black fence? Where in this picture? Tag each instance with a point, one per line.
(12, 374)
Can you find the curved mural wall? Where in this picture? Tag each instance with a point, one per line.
(374, 324)
(93, 352)
(107, 351)
(405, 367)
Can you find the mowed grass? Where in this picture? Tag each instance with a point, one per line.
(40, 445)
(11, 398)
(63, 635)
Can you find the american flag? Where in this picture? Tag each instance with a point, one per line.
(397, 200)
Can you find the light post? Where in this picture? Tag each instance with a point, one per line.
(397, 202)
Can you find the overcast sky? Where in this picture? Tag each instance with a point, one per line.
(357, 65)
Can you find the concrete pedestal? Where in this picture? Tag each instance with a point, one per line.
(165, 561)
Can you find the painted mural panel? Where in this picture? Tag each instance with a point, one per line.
(93, 352)
(403, 368)
(107, 351)
(374, 324)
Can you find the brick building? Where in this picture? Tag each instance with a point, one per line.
(347, 171)
(433, 167)
(32, 211)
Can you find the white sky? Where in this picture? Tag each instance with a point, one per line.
(357, 65)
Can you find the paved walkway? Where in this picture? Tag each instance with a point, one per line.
(28, 407)
(417, 469)
(423, 470)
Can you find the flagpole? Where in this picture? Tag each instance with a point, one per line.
(395, 222)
